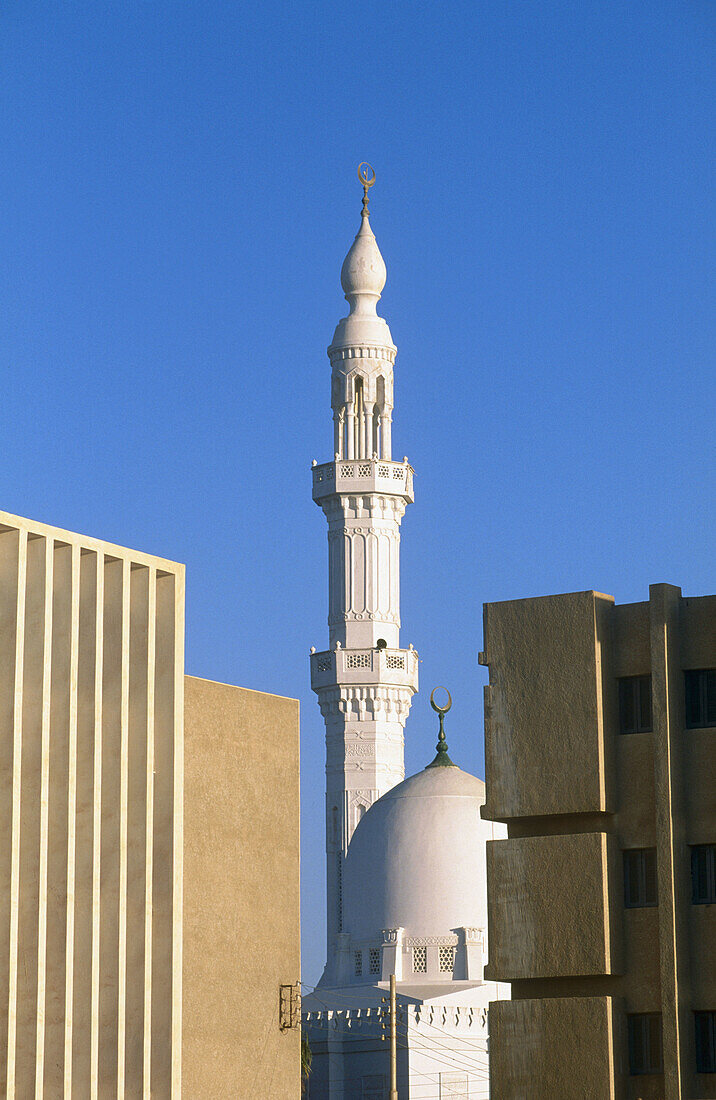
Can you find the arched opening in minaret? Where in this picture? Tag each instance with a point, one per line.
(359, 406)
(378, 414)
(376, 432)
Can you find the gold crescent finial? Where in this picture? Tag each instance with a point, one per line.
(433, 704)
(366, 174)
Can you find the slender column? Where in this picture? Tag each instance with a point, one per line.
(393, 1042)
(123, 825)
(149, 837)
(350, 433)
(71, 817)
(15, 836)
(97, 826)
(387, 443)
(44, 819)
(385, 436)
(178, 821)
(668, 709)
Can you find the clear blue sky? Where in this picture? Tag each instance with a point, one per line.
(177, 194)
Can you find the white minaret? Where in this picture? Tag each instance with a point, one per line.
(364, 681)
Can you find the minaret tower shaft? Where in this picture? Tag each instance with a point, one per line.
(364, 681)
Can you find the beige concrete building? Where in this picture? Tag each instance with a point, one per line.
(149, 876)
(600, 754)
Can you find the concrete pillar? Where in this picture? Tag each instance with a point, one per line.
(392, 954)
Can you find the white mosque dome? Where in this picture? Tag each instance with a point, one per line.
(417, 858)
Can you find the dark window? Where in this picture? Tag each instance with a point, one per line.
(640, 877)
(705, 1023)
(700, 697)
(634, 704)
(373, 1087)
(703, 874)
(644, 1032)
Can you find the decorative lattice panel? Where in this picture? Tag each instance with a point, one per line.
(394, 660)
(420, 960)
(374, 960)
(446, 959)
(357, 660)
(357, 963)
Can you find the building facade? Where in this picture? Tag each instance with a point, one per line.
(133, 821)
(600, 753)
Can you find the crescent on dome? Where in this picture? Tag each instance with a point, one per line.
(366, 173)
(434, 705)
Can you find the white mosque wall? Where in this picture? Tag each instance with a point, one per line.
(441, 1052)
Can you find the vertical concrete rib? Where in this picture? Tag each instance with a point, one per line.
(71, 816)
(149, 838)
(123, 824)
(9, 559)
(84, 829)
(97, 827)
(178, 838)
(44, 821)
(16, 789)
(663, 610)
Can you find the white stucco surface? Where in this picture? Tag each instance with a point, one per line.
(417, 858)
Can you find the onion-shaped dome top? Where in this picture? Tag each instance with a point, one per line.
(363, 273)
(417, 858)
(363, 277)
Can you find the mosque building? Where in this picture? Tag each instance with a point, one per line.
(405, 858)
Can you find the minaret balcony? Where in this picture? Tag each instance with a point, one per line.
(393, 667)
(364, 475)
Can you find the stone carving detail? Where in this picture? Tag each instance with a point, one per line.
(358, 660)
(431, 941)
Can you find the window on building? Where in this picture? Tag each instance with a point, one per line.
(373, 1087)
(705, 1024)
(635, 704)
(374, 960)
(645, 1052)
(357, 963)
(700, 685)
(703, 874)
(640, 877)
(420, 960)
(446, 959)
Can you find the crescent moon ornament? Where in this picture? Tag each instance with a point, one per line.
(366, 173)
(442, 760)
(434, 705)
